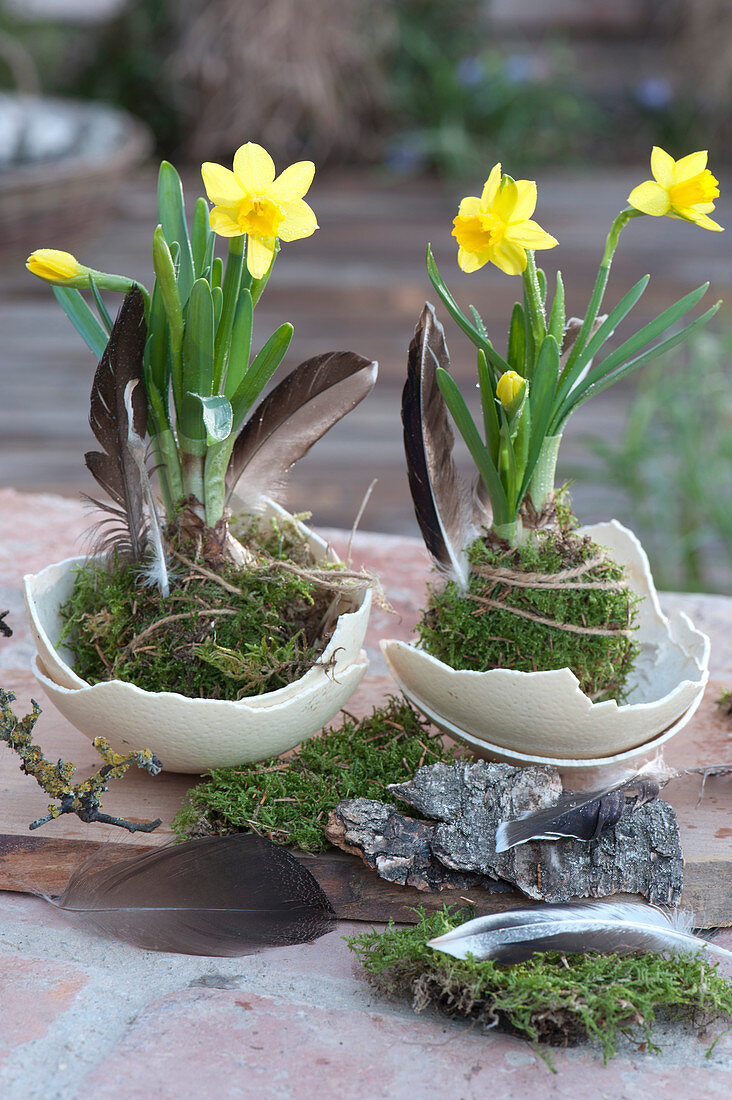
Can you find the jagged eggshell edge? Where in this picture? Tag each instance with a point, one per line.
(193, 735)
(545, 714)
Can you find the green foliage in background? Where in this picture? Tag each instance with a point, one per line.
(129, 67)
(451, 92)
(123, 62)
(674, 463)
(456, 100)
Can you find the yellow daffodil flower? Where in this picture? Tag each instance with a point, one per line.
(497, 227)
(681, 189)
(57, 267)
(251, 201)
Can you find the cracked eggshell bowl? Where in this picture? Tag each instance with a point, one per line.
(544, 717)
(188, 734)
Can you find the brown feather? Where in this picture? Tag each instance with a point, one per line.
(226, 895)
(292, 417)
(115, 468)
(447, 512)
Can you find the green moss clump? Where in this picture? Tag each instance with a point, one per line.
(257, 631)
(289, 800)
(459, 630)
(550, 998)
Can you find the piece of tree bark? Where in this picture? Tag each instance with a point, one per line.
(641, 854)
(397, 847)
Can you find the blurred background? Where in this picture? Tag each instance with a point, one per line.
(404, 105)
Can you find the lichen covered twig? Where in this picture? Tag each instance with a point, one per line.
(83, 798)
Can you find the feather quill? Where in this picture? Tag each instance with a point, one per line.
(156, 567)
(622, 928)
(584, 814)
(448, 513)
(228, 895)
(115, 468)
(297, 412)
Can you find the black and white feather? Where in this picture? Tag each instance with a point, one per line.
(606, 927)
(449, 514)
(584, 814)
(297, 412)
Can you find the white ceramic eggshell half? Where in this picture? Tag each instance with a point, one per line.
(194, 735)
(544, 717)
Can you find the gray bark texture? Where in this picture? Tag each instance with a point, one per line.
(641, 854)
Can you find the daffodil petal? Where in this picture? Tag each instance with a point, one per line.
(690, 165)
(505, 200)
(509, 257)
(693, 214)
(254, 167)
(492, 184)
(470, 261)
(222, 222)
(293, 183)
(526, 201)
(260, 251)
(222, 186)
(300, 221)
(529, 234)
(662, 166)
(469, 207)
(650, 198)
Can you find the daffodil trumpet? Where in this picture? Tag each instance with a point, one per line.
(549, 368)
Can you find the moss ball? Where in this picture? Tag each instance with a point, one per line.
(501, 621)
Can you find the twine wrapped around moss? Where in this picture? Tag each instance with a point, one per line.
(549, 580)
(562, 581)
(559, 601)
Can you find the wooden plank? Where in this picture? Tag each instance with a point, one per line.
(42, 865)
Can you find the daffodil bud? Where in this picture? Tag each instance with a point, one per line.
(510, 391)
(63, 269)
(60, 268)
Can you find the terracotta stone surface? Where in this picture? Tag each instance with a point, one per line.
(291, 1022)
(33, 995)
(240, 1044)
